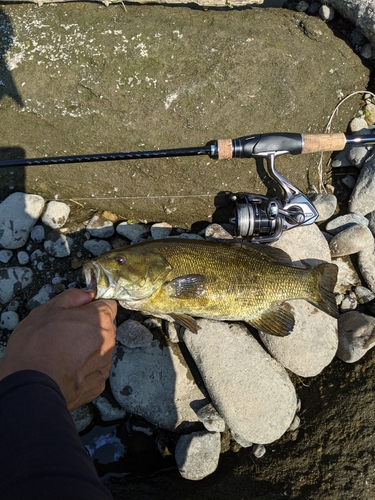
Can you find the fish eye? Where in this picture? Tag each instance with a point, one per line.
(120, 259)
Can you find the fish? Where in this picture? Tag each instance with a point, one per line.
(226, 281)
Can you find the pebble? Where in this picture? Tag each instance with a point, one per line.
(23, 258)
(366, 52)
(133, 334)
(18, 215)
(9, 320)
(108, 411)
(363, 294)
(5, 256)
(56, 214)
(257, 402)
(302, 6)
(348, 303)
(98, 227)
(13, 279)
(342, 158)
(356, 335)
(38, 233)
(352, 240)
(358, 155)
(348, 181)
(304, 245)
(211, 419)
(155, 382)
(295, 424)
(133, 232)
(342, 222)
(366, 265)
(259, 450)
(325, 204)
(362, 200)
(58, 245)
(305, 352)
(97, 247)
(197, 454)
(82, 417)
(326, 13)
(359, 126)
(161, 230)
(45, 293)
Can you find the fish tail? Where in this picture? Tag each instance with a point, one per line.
(325, 277)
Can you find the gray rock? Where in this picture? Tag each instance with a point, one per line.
(314, 9)
(13, 279)
(342, 158)
(58, 245)
(358, 155)
(366, 51)
(188, 236)
(133, 334)
(9, 320)
(348, 303)
(161, 230)
(23, 258)
(362, 200)
(197, 454)
(133, 232)
(216, 232)
(97, 247)
(210, 418)
(259, 450)
(5, 256)
(155, 383)
(38, 233)
(82, 417)
(348, 181)
(18, 215)
(325, 204)
(312, 344)
(56, 214)
(363, 294)
(366, 265)
(304, 243)
(347, 276)
(98, 227)
(342, 222)
(352, 240)
(258, 401)
(371, 221)
(356, 335)
(359, 126)
(46, 293)
(302, 6)
(108, 412)
(326, 13)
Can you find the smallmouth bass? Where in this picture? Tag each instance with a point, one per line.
(224, 281)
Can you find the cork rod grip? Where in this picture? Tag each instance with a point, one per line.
(323, 142)
(224, 148)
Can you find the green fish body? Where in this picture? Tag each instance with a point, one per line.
(185, 278)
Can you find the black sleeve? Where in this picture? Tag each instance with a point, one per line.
(41, 454)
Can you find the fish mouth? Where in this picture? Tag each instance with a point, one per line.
(90, 277)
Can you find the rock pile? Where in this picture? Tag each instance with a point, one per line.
(225, 378)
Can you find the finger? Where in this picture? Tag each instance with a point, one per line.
(110, 305)
(74, 297)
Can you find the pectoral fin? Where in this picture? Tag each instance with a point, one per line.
(186, 321)
(277, 321)
(189, 286)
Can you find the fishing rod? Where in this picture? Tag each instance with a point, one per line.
(258, 218)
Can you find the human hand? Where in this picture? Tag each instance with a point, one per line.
(70, 338)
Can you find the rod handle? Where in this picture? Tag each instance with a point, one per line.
(313, 143)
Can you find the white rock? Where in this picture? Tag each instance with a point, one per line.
(100, 227)
(18, 215)
(133, 334)
(326, 13)
(352, 240)
(58, 245)
(13, 279)
(155, 383)
(197, 454)
(362, 200)
(259, 450)
(210, 418)
(356, 335)
(5, 256)
(366, 264)
(249, 389)
(56, 214)
(312, 344)
(359, 126)
(97, 247)
(342, 222)
(9, 320)
(133, 232)
(304, 243)
(23, 258)
(161, 230)
(45, 293)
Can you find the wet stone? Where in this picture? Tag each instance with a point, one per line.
(356, 335)
(18, 215)
(56, 214)
(197, 454)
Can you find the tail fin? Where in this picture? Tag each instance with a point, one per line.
(325, 277)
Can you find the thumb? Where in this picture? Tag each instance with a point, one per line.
(74, 297)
